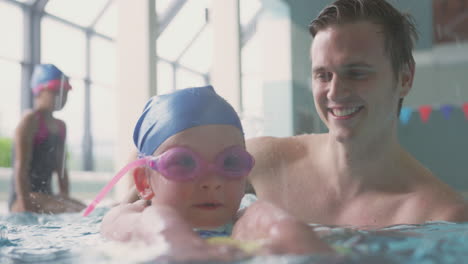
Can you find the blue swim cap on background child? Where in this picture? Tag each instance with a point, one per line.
(48, 76)
(169, 114)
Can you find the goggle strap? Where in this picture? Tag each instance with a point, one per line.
(111, 184)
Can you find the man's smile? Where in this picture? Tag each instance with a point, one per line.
(345, 112)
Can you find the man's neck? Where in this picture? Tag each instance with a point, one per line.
(358, 166)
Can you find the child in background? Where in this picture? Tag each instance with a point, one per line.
(192, 144)
(40, 149)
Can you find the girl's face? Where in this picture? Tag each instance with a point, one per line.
(52, 100)
(212, 199)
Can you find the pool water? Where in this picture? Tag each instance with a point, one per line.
(71, 238)
(433, 242)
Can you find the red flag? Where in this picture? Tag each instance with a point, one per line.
(425, 112)
(465, 110)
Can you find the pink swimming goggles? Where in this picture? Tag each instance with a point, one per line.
(183, 164)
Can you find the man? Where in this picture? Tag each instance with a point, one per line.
(356, 174)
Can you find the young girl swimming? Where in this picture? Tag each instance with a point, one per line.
(192, 144)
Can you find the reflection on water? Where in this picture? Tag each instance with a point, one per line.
(70, 238)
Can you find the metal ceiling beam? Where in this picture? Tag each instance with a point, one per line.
(39, 5)
(71, 24)
(20, 4)
(181, 66)
(169, 15)
(249, 30)
(189, 45)
(101, 13)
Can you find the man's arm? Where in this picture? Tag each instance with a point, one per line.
(280, 232)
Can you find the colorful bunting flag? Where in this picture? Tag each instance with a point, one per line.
(425, 112)
(446, 110)
(405, 115)
(465, 110)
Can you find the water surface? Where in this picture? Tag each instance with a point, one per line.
(71, 238)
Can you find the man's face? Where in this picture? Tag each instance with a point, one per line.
(355, 90)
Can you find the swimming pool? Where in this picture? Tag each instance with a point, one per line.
(70, 238)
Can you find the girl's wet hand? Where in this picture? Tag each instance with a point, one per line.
(204, 252)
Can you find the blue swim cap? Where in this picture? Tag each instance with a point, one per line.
(169, 114)
(48, 76)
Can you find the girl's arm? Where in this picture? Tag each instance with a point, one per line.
(121, 222)
(139, 222)
(62, 171)
(24, 135)
(162, 226)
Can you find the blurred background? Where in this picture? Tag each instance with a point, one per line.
(118, 53)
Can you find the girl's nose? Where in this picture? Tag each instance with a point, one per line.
(211, 180)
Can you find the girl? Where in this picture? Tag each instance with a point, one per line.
(39, 149)
(192, 144)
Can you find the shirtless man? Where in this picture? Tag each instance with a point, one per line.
(356, 174)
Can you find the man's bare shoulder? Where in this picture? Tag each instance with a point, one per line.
(265, 152)
(457, 212)
(278, 157)
(269, 150)
(439, 202)
(448, 205)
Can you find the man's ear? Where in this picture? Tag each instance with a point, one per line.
(406, 78)
(142, 183)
